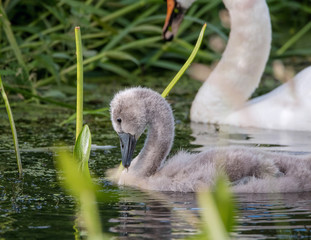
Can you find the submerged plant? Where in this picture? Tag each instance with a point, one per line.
(12, 124)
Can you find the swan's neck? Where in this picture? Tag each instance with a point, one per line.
(239, 71)
(158, 142)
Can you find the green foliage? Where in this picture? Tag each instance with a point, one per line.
(122, 38)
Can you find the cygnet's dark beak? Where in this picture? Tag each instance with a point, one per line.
(128, 144)
(174, 16)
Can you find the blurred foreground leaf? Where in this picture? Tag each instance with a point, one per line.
(217, 211)
(81, 186)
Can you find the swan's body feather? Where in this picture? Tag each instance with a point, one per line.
(286, 107)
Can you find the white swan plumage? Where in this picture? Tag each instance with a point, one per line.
(223, 97)
(248, 169)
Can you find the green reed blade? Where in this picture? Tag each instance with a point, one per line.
(294, 39)
(12, 124)
(125, 10)
(99, 112)
(186, 65)
(10, 36)
(79, 121)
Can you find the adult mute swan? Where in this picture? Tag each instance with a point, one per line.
(223, 97)
(248, 169)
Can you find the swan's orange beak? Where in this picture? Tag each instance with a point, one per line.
(174, 16)
(128, 144)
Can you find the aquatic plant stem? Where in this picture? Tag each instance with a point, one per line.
(79, 110)
(12, 124)
(186, 65)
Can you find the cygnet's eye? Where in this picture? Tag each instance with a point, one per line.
(119, 120)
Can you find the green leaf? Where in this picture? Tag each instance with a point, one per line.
(82, 149)
(100, 112)
(116, 69)
(119, 55)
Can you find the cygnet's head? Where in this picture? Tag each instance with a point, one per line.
(132, 110)
(128, 117)
(174, 16)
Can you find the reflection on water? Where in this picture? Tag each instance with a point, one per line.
(153, 215)
(35, 207)
(287, 216)
(207, 135)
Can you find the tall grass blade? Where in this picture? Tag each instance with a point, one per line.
(100, 112)
(125, 10)
(12, 124)
(10, 36)
(79, 121)
(186, 65)
(294, 39)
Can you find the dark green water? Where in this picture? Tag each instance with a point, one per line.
(36, 207)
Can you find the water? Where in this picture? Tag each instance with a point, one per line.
(36, 207)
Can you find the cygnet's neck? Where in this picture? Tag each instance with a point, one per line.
(160, 137)
(239, 71)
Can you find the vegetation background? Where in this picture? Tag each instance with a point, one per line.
(123, 45)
